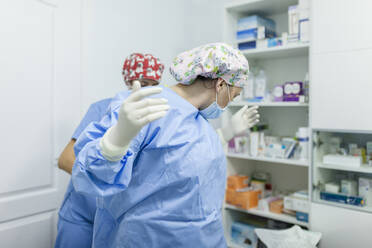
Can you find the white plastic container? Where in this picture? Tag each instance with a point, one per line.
(365, 190)
(332, 187)
(260, 84)
(342, 160)
(254, 138)
(349, 187)
(293, 18)
(261, 145)
(303, 139)
(248, 90)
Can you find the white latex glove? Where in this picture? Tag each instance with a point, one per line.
(241, 121)
(134, 113)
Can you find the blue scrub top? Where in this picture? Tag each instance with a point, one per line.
(167, 191)
(95, 113)
(77, 208)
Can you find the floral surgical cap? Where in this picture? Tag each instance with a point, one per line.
(215, 60)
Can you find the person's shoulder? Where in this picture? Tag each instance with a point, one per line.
(115, 102)
(177, 102)
(101, 104)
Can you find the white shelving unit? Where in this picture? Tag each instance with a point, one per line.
(270, 215)
(269, 104)
(304, 163)
(263, 7)
(233, 245)
(341, 205)
(293, 50)
(325, 173)
(281, 64)
(360, 169)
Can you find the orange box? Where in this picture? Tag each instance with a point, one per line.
(247, 199)
(231, 196)
(237, 182)
(277, 206)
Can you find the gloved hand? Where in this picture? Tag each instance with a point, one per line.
(134, 113)
(242, 120)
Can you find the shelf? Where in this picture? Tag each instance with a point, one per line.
(361, 169)
(303, 163)
(317, 199)
(294, 50)
(280, 217)
(263, 7)
(269, 104)
(231, 244)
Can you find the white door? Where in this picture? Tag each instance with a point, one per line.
(341, 227)
(39, 106)
(340, 64)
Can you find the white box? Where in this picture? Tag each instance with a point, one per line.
(349, 187)
(342, 160)
(365, 190)
(296, 204)
(304, 30)
(332, 187)
(293, 18)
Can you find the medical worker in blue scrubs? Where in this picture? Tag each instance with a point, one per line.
(156, 164)
(76, 216)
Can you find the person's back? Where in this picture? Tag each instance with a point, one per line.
(77, 212)
(178, 156)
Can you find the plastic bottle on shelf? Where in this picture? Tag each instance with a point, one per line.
(303, 140)
(260, 83)
(248, 91)
(254, 138)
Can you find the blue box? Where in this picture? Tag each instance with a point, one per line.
(273, 42)
(243, 235)
(247, 45)
(253, 34)
(345, 199)
(255, 21)
(302, 216)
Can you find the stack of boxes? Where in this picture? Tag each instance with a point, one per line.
(299, 203)
(254, 32)
(239, 193)
(259, 32)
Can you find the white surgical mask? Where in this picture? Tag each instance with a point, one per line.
(214, 110)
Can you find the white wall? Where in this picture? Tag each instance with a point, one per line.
(113, 29)
(204, 22)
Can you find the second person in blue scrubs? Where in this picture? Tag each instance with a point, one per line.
(76, 215)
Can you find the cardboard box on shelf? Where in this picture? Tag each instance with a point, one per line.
(247, 199)
(230, 196)
(237, 182)
(277, 206)
(297, 203)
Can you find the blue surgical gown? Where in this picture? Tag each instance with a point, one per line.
(76, 215)
(167, 191)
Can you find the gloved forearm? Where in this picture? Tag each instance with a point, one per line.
(241, 121)
(225, 134)
(135, 112)
(112, 145)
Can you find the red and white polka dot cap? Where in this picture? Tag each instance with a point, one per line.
(142, 66)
